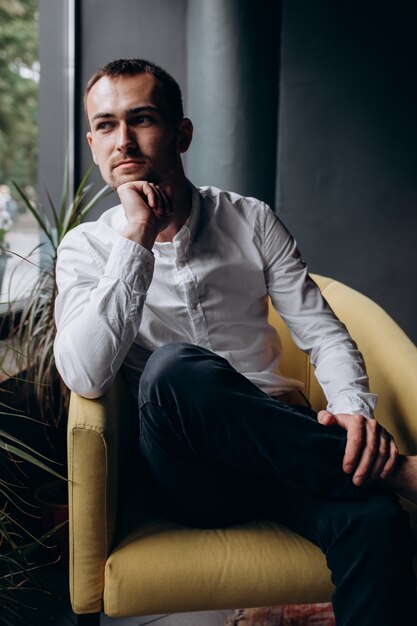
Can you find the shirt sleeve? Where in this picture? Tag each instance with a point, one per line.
(98, 309)
(316, 330)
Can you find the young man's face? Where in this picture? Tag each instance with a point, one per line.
(131, 135)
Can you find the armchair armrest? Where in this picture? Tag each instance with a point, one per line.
(95, 439)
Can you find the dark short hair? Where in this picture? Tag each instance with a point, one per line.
(131, 67)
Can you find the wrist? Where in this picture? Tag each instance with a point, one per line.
(142, 234)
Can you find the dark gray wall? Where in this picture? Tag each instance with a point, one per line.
(152, 29)
(233, 76)
(347, 151)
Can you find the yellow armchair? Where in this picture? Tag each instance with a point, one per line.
(127, 561)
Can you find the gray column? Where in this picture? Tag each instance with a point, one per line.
(53, 112)
(232, 65)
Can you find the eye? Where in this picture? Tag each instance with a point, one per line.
(103, 126)
(143, 120)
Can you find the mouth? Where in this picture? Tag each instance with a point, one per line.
(128, 163)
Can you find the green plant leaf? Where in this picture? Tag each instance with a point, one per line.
(27, 260)
(30, 458)
(102, 193)
(57, 221)
(27, 549)
(6, 435)
(64, 195)
(43, 223)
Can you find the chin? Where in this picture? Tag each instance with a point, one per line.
(134, 175)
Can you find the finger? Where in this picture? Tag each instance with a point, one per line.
(151, 195)
(169, 210)
(382, 456)
(369, 452)
(326, 418)
(391, 463)
(160, 209)
(355, 428)
(133, 197)
(164, 201)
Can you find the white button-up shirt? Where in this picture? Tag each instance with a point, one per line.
(118, 301)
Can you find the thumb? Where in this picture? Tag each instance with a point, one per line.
(326, 418)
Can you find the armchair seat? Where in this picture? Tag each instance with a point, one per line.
(128, 561)
(183, 569)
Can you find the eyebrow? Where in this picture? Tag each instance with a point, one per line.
(130, 112)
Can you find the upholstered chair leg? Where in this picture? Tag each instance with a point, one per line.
(88, 619)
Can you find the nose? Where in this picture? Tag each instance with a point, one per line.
(126, 139)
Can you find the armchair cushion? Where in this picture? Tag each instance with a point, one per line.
(166, 568)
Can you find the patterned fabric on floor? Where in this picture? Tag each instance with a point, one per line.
(290, 615)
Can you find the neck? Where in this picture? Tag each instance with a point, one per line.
(179, 194)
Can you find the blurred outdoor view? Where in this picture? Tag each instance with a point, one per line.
(19, 82)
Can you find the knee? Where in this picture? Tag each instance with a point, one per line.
(168, 367)
(384, 521)
(373, 521)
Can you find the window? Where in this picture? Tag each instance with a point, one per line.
(19, 87)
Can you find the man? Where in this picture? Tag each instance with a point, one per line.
(172, 285)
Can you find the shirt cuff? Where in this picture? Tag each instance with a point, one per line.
(362, 404)
(132, 263)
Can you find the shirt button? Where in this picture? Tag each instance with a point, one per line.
(181, 263)
(194, 306)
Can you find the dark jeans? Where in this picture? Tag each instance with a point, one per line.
(218, 451)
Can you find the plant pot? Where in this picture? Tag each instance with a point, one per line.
(52, 499)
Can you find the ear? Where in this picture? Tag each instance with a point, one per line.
(184, 135)
(90, 143)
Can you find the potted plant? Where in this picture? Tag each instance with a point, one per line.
(32, 330)
(17, 543)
